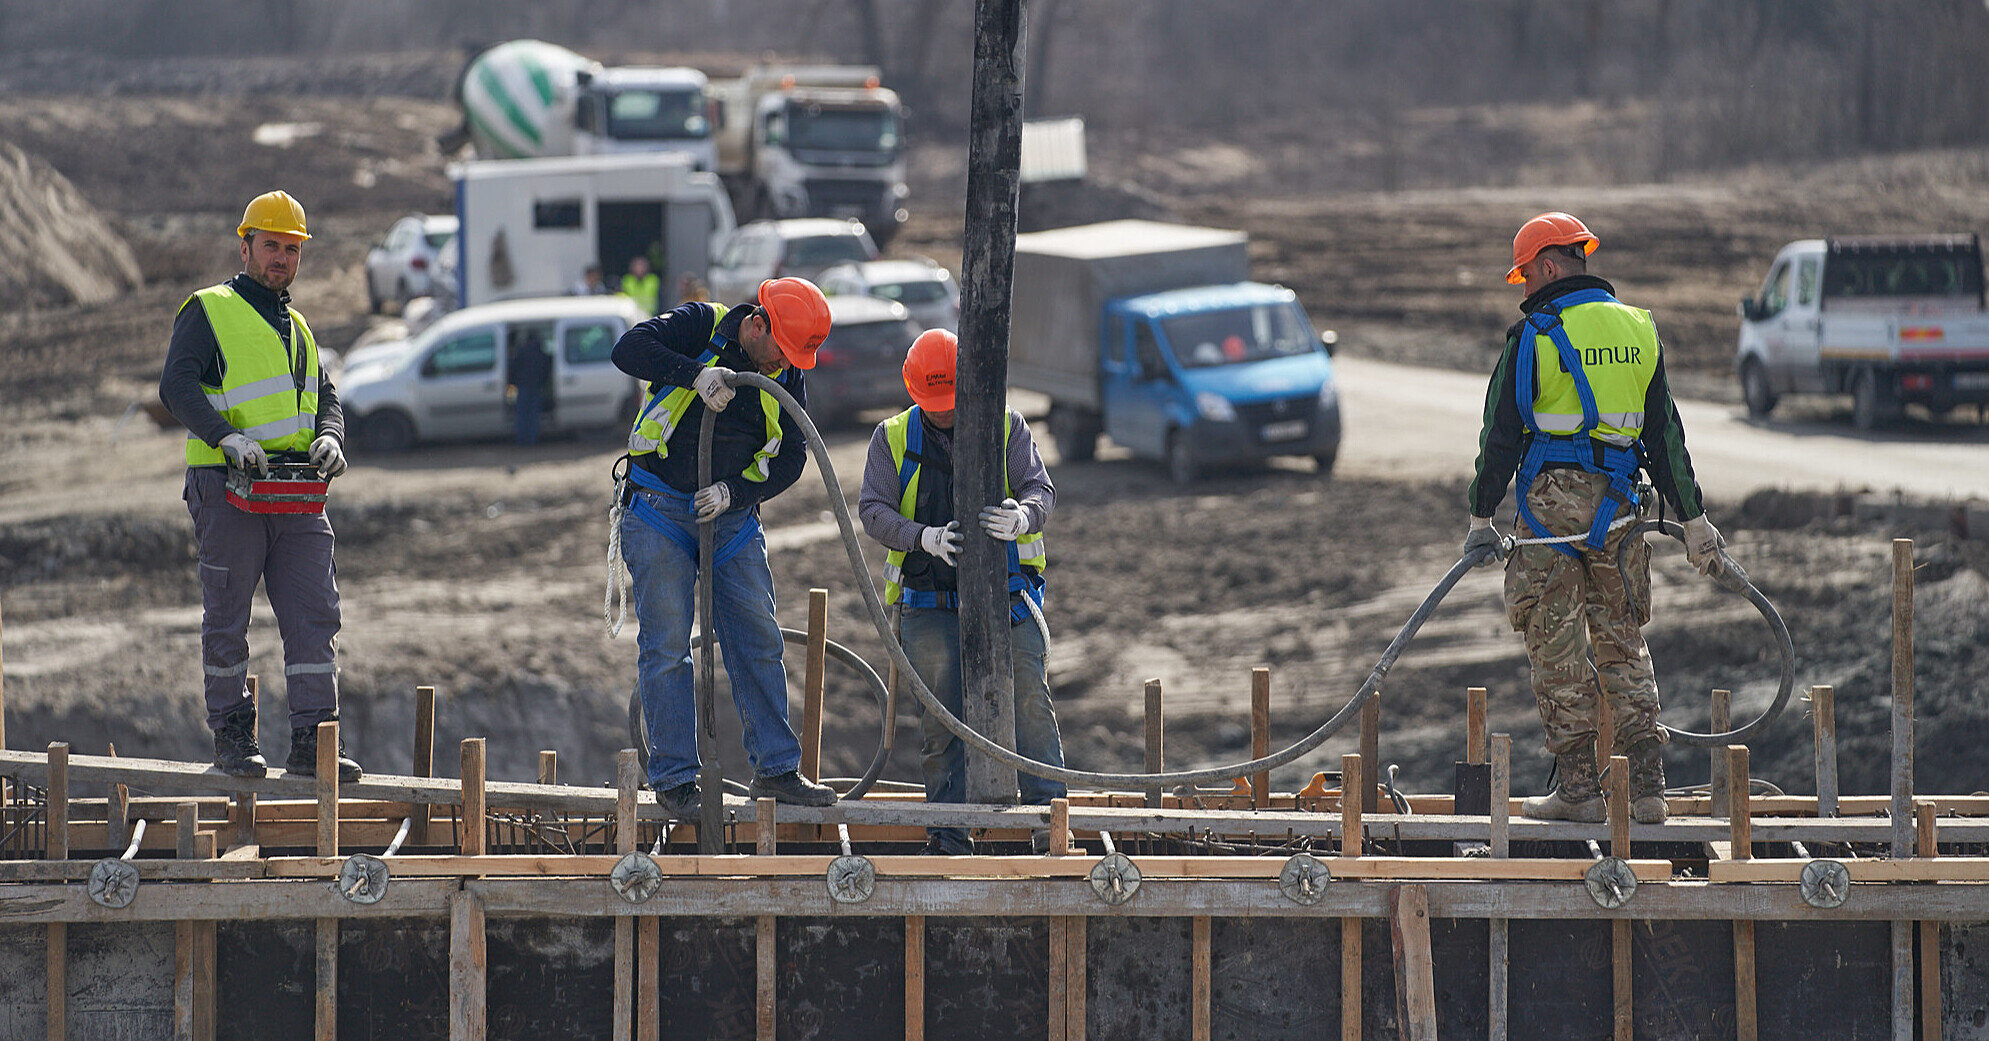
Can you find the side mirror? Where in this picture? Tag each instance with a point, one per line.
(1330, 340)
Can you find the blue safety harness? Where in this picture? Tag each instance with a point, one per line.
(1592, 455)
(663, 525)
(1019, 581)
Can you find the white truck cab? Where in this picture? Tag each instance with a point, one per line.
(645, 108)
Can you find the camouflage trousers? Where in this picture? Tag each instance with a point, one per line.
(1567, 606)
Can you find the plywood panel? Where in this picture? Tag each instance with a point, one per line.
(838, 978)
(24, 981)
(267, 974)
(708, 967)
(1817, 979)
(987, 977)
(1561, 981)
(393, 979)
(1682, 976)
(1273, 979)
(549, 979)
(1965, 981)
(1136, 978)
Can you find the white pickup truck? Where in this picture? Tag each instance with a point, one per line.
(1890, 321)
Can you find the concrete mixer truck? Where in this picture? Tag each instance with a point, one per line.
(529, 99)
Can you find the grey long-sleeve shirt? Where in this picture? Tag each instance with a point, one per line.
(877, 506)
(194, 358)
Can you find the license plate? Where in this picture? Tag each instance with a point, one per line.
(1971, 380)
(1288, 430)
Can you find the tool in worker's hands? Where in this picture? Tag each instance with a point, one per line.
(1482, 533)
(1701, 540)
(328, 456)
(243, 451)
(287, 483)
(714, 386)
(712, 500)
(943, 543)
(1005, 521)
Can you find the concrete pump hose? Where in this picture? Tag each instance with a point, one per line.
(981, 743)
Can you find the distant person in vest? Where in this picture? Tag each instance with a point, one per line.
(642, 285)
(242, 375)
(907, 504)
(685, 358)
(1577, 406)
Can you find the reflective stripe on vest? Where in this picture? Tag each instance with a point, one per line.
(258, 395)
(1614, 349)
(901, 433)
(666, 406)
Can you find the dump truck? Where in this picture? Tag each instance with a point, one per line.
(1153, 335)
(531, 99)
(813, 141)
(1887, 320)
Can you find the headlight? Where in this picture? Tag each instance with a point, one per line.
(1214, 407)
(1329, 394)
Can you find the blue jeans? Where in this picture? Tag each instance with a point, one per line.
(742, 609)
(931, 639)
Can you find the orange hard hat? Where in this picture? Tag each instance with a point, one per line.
(1548, 229)
(798, 316)
(929, 370)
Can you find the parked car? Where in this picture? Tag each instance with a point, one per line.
(403, 265)
(926, 289)
(451, 381)
(800, 247)
(861, 364)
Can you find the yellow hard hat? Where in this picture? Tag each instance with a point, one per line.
(273, 211)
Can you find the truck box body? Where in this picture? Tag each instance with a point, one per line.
(1065, 276)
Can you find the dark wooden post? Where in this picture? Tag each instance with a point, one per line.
(994, 158)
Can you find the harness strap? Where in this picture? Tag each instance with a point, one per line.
(663, 389)
(1542, 447)
(648, 514)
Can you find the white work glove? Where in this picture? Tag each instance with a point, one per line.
(713, 500)
(943, 543)
(1701, 542)
(711, 386)
(1005, 521)
(243, 452)
(1481, 533)
(327, 456)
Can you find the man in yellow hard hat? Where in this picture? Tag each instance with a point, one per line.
(1577, 406)
(242, 375)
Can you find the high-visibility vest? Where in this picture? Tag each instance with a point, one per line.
(259, 393)
(666, 404)
(1616, 346)
(645, 291)
(901, 433)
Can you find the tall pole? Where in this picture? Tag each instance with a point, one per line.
(987, 267)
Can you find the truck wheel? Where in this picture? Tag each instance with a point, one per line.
(1872, 406)
(1075, 433)
(1181, 465)
(1326, 460)
(386, 431)
(1754, 388)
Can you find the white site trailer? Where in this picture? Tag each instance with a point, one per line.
(530, 227)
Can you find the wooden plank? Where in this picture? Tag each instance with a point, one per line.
(1370, 753)
(1497, 982)
(627, 772)
(915, 977)
(1930, 981)
(1619, 806)
(1925, 841)
(1902, 697)
(1474, 724)
(1198, 980)
(58, 800)
(1058, 979)
(468, 965)
(811, 687)
(1501, 795)
(1623, 1003)
(186, 829)
(1154, 735)
(150, 870)
(206, 980)
(1415, 966)
(764, 828)
(424, 759)
(117, 817)
(58, 981)
(1720, 721)
(471, 829)
(649, 979)
(1944, 869)
(548, 766)
(326, 1005)
(1823, 728)
(1078, 962)
(328, 788)
(1260, 734)
(243, 813)
(765, 983)
(1060, 827)
(1352, 780)
(624, 1001)
(1902, 981)
(183, 968)
(1745, 1014)
(1741, 823)
(1350, 979)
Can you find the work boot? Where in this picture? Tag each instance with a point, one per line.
(1576, 798)
(793, 789)
(235, 751)
(303, 761)
(1646, 781)
(681, 802)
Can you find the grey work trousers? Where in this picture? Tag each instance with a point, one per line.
(291, 556)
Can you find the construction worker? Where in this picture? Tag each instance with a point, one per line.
(642, 285)
(685, 358)
(1577, 405)
(907, 504)
(590, 283)
(242, 375)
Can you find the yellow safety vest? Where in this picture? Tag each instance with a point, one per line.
(258, 395)
(659, 418)
(1618, 345)
(645, 291)
(1029, 548)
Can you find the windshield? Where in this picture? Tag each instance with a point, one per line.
(1242, 334)
(922, 292)
(820, 251)
(842, 129)
(885, 340)
(1903, 273)
(650, 115)
(439, 239)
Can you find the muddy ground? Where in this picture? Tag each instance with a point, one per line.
(479, 569)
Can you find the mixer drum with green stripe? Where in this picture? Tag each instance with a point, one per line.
(518, 99)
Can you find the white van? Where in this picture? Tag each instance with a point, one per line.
(452, 382)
